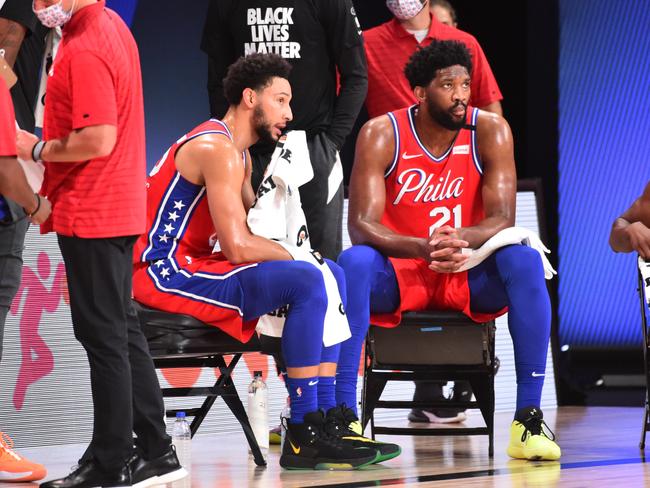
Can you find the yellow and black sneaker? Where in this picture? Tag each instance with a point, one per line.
(528, 439)
(342, 422)
(310, 446)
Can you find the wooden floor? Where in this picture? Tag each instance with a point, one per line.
(599, 447)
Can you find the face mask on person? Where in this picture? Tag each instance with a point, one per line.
(54, 15)
(405, 9)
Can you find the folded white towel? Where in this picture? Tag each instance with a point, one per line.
(277, 214)
(507, 237)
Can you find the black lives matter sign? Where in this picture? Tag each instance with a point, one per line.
(270, 32)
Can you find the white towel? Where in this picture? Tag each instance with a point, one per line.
(277, 214)
(507, 237)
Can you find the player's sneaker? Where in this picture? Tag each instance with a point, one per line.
(437, 415)
(441, 415)
(528, 439)
(341, 420)
(14, 467)
(275, 435)
(310, 446)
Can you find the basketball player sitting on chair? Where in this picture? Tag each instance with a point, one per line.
(198, 194)
(631, 231)
(429, 181)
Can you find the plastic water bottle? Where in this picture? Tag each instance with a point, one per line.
(284, 419)
(257, 411)
(182, 440)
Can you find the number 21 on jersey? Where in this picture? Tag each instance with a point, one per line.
(444, 216)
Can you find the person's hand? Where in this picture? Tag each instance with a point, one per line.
(24, 144)
(639, 236)
(446, 255)
(43, 212)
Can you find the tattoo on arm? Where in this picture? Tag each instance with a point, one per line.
(11, 38)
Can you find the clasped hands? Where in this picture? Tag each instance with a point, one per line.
(444, 250)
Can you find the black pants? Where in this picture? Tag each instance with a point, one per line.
(125, 389)
(324, 221)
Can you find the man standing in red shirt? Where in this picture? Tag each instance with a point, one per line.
(389, 46)
(94, 152)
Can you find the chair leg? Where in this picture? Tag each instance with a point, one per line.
(231, 398)
(646, 359)
(483, 388)
(373, 389)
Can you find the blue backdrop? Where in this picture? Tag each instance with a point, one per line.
(174, 69)
(603, 166)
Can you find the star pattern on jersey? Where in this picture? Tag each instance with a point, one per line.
(165, 273)
(173, 216)
(169, 228)
(164, 238)
(178, 205)
(159, 263)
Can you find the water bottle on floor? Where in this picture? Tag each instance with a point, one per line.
(285, 416)
(182, 440)
(257, 411)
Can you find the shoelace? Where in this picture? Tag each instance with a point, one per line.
(536, 426)
(7, 444)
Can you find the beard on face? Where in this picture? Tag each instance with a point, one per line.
(263, 128)
(445, 117)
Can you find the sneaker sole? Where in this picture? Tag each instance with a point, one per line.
(386, 457)
(518, 453)
(431, 418)
(296, 463)
(9, 477)
(179, 474)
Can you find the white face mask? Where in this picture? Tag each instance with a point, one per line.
(54, 15)
(405, 9)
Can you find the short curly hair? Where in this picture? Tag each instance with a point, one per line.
(424, 63)
(255, 72)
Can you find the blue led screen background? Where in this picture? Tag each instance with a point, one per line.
(604, 163)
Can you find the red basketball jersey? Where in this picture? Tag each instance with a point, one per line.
(179, 225)
(424, 192)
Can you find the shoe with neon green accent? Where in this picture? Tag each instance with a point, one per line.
(310, 446)
(529, 439)
(342, 422)
(275, 436)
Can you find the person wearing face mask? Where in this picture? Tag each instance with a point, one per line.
(94, 154)
(388, 48)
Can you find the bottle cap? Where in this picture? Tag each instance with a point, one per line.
(257, 373)
(180, 415)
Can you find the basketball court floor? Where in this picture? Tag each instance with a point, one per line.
(599, 447)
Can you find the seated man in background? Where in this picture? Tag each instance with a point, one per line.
(428, 181)
(631, 231)
(199, 194)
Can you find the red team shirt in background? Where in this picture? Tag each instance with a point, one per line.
(7, 122)
(95, 80)
(174, 267)
(7, 135)
(424, 192)
(389, 47)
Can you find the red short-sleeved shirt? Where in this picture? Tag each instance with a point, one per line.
(388, 48)
(7, 122)
(7, 134)
(95, 80)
